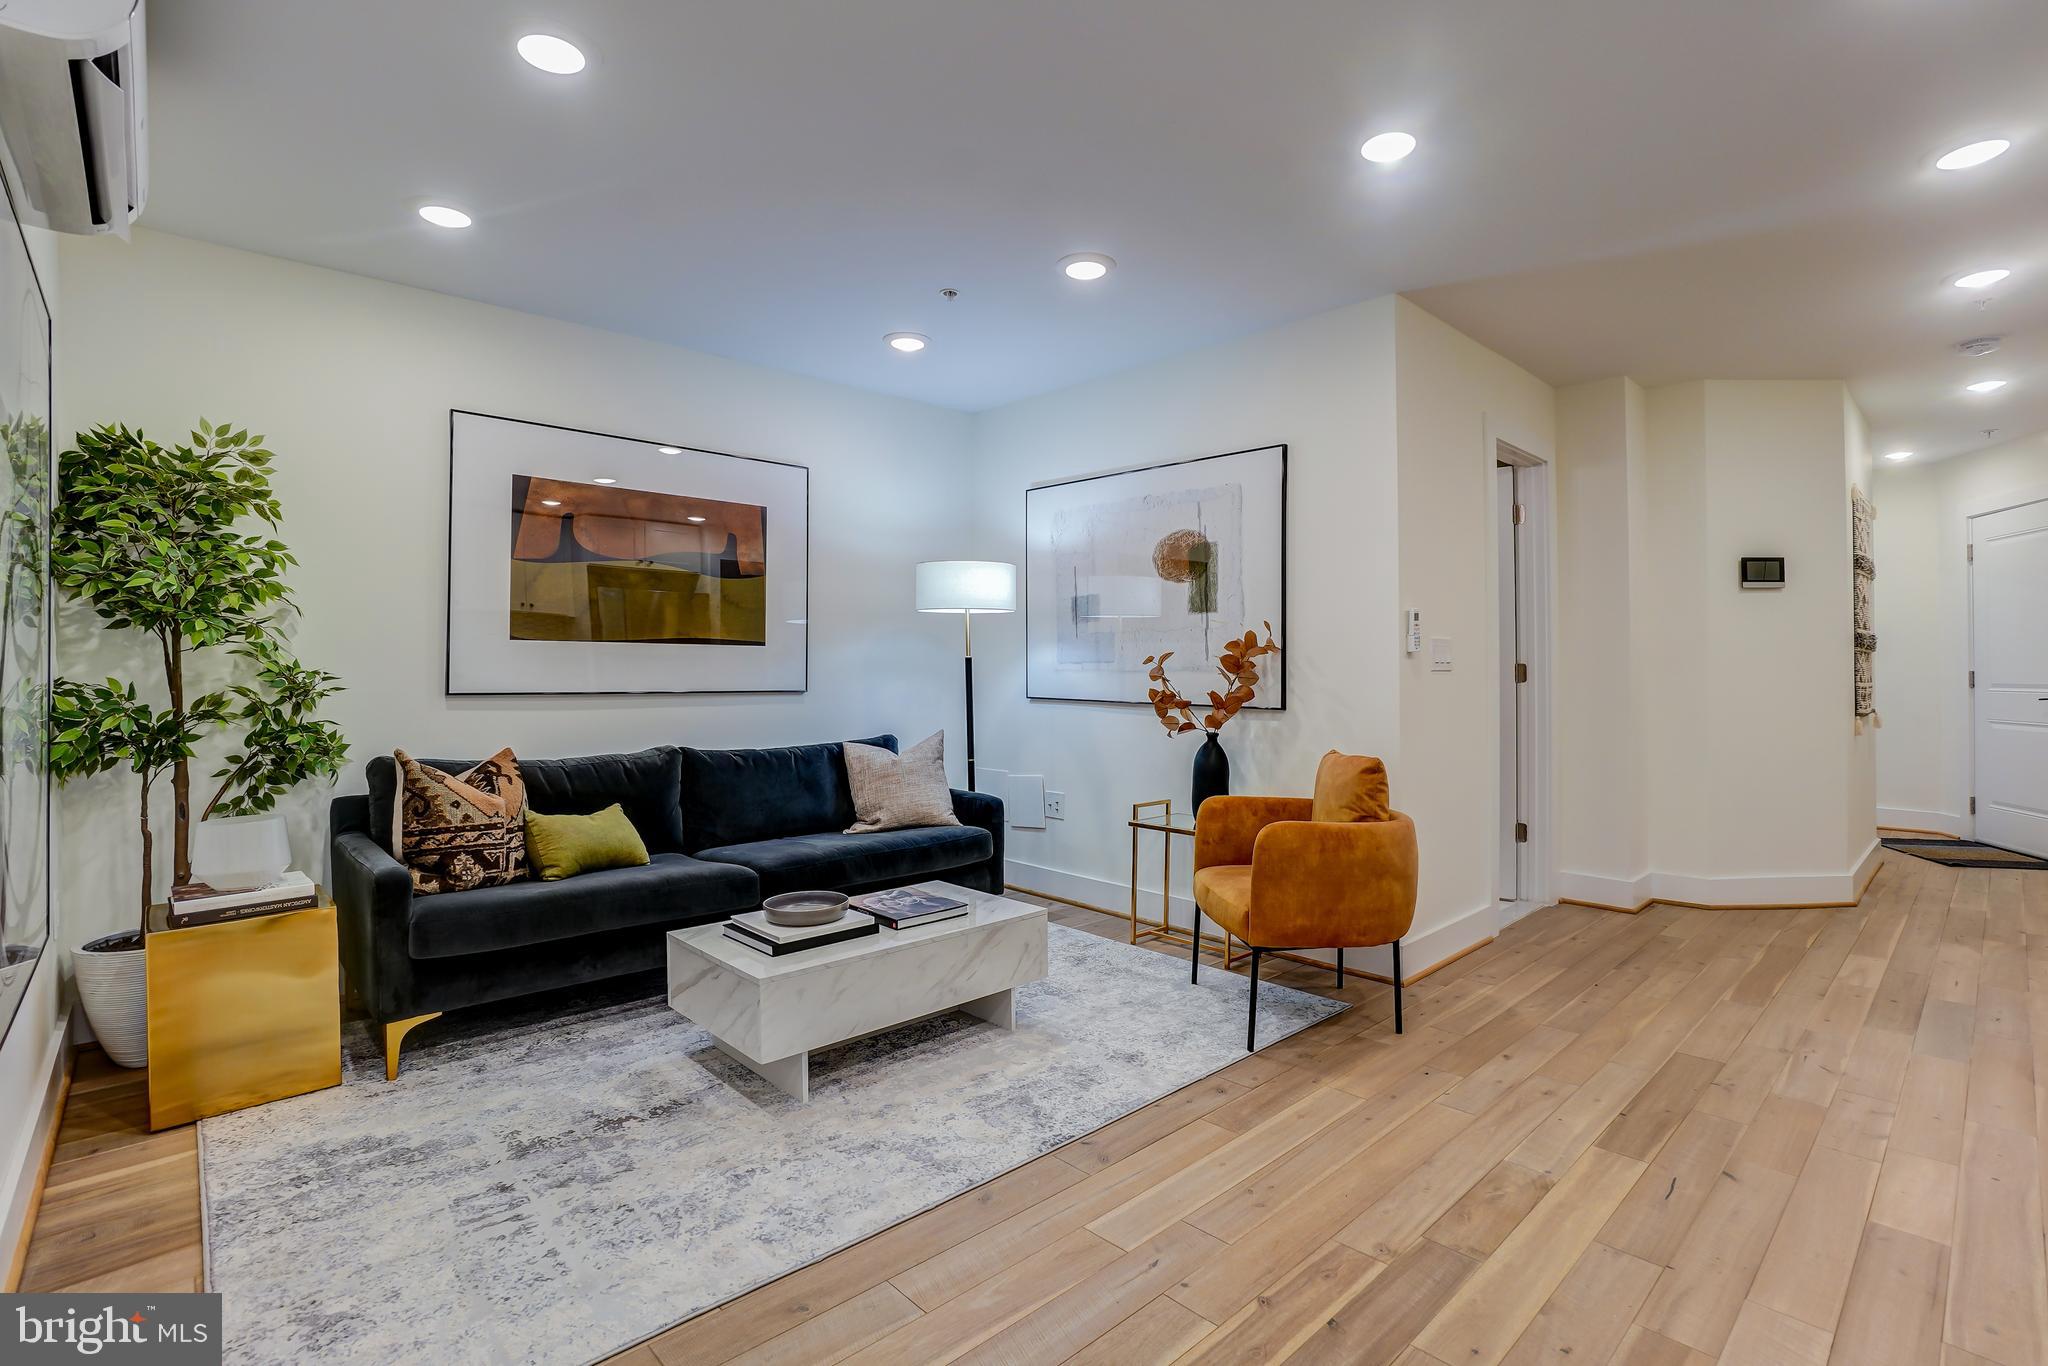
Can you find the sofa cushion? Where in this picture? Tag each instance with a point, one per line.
(806, 862)
(669, 889)
(646, 784)
(739, 796)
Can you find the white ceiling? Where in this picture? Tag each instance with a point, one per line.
(1668, 189)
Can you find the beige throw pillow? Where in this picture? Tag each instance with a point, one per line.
(899, 791)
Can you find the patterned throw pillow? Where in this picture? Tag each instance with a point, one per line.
(899, 791)
(463, 830)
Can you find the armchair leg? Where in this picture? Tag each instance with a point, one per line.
(1397, 986)
(1340, 969)
(1251, 1028)
(1195, 948)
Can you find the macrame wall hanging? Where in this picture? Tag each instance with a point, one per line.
(1861, 515)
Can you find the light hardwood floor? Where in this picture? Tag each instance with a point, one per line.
(1669, 1139)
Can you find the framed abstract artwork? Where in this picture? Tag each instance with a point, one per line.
(25, 484)
(1179, 557)
(585, 563)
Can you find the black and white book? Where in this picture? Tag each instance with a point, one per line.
(902, 907)
(753, 929)
(199, 904)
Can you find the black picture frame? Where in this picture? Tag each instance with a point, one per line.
(448, 580)
(1280, 626)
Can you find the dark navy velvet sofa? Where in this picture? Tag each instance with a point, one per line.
(723, 829)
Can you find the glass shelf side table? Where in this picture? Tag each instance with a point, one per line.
(1158, 817)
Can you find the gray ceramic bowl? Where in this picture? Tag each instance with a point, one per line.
(804, 908)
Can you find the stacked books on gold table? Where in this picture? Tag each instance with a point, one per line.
(195, 903)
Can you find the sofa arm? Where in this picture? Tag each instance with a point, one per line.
(373, 895)
(1333, 884)
(1229, 826)
(984, 812)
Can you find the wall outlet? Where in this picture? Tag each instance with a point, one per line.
(1439, 654)
(1055, 806)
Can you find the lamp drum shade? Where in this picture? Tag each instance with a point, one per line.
(966, 586)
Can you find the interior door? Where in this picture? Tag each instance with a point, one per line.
(1510, 729)
(2009, 642)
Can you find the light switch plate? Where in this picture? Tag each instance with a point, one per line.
(1439, 654)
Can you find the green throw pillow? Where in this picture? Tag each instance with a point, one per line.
(563, 846)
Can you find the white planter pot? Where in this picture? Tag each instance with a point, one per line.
(230, 853)
(114, 991)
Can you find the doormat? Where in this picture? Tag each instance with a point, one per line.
(1968, 854)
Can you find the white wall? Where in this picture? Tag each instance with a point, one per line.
(1454, 400)
(1324, 386)
(1923, 624)
(1606, 613)
(352, 380)
(31, 1056)
(1757, 788)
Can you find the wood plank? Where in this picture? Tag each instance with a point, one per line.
(1479, 1325)
(1916, 1195)
(1648, 1119)
(1486, 1214)
(1931, 1109)
(834, 1335)
(1282, 1319)
(1892, 1315)
(1651, 1223)
(1556, 1143)
(1155, 1335)
(1998, 1280)
(1377, 1323)
(1805, 1272)
(1070, 1320)
(1764, 1337)
(1699, 1295)
(1589, 1313)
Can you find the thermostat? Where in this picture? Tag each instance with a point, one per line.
(1763, 571)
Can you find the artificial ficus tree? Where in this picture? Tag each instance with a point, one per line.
(178, 543)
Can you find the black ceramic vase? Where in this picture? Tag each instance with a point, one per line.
(1212, 771)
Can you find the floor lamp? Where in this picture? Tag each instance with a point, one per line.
(967, 587)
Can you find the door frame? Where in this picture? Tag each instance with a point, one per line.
(1535, 574)
(1971, 511)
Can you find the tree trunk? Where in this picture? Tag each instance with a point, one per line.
(148, 863)
(181, 772)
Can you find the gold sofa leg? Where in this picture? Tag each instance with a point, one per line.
(394, 1035)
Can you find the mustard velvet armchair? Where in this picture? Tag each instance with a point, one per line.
(1276, 878)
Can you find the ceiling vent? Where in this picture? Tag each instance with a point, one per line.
(1979, 346)
(73, 120)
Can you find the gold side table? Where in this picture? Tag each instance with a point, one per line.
(241, 1012)
(1159, 817)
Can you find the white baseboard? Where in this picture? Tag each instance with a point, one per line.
(1419, 951)
(1905, 818)
(1624, 893)
(1775, 889)
(18, 1181)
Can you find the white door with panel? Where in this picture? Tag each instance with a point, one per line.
(2009, 697)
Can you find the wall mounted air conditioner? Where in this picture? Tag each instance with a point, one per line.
(74, 131)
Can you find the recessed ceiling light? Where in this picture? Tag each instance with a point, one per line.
(1898, 455)
(670, 450)
(441, 216)
(1985, 386)
(1980, 279)
(556, 56)
(550, 502)
(1384, 147)
(1086, 265)
(607, 479)
(1975, 154)
(693, 519)
(907, 341)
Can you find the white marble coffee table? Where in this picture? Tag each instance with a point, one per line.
(772, 1013)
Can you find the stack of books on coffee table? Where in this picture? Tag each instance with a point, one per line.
(196, 903)
(902, 908)
(753, 929)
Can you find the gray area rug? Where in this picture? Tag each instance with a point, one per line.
(554, 1187)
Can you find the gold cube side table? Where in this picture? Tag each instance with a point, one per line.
(241, 1012)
